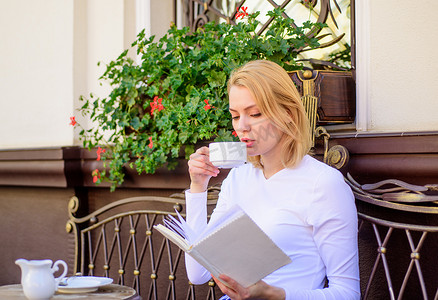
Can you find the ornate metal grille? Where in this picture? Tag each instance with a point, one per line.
(336, 40)
(404, 237)
(119, 241)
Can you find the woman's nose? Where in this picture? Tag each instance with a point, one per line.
(244, 124)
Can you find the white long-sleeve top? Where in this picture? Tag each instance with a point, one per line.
(308, 211)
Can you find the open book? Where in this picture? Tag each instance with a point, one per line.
(233, 245)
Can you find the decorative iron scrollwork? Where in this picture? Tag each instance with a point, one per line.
(337, 156)
(323, 11)
(400, 197)
(397, 194)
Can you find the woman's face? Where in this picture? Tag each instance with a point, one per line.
(261, 136)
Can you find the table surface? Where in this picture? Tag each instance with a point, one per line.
(108, 292)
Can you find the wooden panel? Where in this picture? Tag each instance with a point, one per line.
(411, 158)
(49, 173)
(388, 144)
(31, 154)
(336, 93)
(72, 167)
(32, 222)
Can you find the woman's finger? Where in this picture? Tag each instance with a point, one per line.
(229, 281)
(203, 164)
(235, 290)
(224, 288)
(201, 158)
(202, 170)
(201, 151)
(200, 161)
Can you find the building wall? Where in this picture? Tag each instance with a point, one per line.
(98, 38)
(161, 17)
(403, 63)
(36, 81)
(49, 55)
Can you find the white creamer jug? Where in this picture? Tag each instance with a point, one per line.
(37, 277)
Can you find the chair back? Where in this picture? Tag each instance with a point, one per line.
(398, 238)
(119, 241)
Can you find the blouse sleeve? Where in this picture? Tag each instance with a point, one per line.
(196, 208)
(335, 233)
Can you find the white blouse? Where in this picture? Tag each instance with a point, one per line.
(308, 211)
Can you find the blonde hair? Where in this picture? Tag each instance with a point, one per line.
(278, 99)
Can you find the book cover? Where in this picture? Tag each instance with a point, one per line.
(233, 245)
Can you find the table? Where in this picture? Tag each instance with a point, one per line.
(108, 292)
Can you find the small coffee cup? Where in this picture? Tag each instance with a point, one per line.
(227, 155)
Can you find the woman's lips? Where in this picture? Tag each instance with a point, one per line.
(248, 142)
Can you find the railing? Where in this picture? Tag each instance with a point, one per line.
(404, 221)
(118, 241)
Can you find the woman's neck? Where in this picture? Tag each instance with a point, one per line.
(270, 167)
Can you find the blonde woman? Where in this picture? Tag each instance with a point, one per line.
(302, 204)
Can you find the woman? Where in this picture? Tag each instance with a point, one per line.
(302, 204)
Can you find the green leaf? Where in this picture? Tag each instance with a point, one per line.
(135, 123)
(189, 150)
(183, 136)
(131, 102)
(217, 78)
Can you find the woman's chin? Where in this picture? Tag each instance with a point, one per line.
(251, 152)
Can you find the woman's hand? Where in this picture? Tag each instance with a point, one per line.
(201, 170)
(260, 290)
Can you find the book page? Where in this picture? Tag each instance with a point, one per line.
(232, 214)
(242, 251)
(180, 227)
(173, 237)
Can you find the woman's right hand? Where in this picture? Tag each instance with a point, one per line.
(201, 170)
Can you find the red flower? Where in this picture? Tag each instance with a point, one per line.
(234, 133)
(156, 104)
(100, 151)
(73, 121)
(151, 144)
(207, 106)
(96, 175)
(242, 13)
(160, 106)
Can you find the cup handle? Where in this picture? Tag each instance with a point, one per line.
(56, 268)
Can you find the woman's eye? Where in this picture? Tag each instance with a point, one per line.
(234, 117)
(256, 115)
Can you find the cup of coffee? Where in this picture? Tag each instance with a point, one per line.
(227, 155)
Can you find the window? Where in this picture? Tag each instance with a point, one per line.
(336, 39)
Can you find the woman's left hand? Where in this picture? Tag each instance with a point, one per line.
(259, 290)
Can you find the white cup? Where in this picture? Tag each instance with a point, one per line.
(227, 154)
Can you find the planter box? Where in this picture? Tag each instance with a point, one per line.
(336, 93)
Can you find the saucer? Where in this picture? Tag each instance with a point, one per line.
(83, 284)
(227, 164)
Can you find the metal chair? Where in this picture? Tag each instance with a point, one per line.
(398, 226)
(118, 241)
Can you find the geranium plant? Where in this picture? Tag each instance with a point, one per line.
(177, 96)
